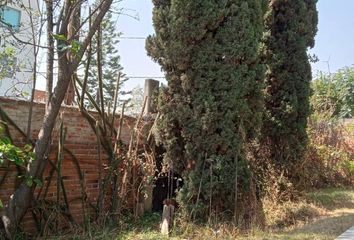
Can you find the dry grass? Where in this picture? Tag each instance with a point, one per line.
(332, 213)
(291, 214)
(321, 215)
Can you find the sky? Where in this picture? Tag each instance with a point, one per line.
(134, 59)
(334, 40)
(335, 37)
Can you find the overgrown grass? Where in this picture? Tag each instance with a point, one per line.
(290, 214)
(320, 215)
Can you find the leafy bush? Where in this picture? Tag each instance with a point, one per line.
(14, 154)
(10, 153)
(333, 94)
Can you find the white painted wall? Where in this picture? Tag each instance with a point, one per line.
(21, 84)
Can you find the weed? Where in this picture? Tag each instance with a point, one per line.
(318, 215)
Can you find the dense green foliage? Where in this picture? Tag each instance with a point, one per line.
(290, 30)
(209, 52)
(333, 94)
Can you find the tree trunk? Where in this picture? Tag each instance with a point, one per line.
(50, 51)
(73, 33)
(21, 199)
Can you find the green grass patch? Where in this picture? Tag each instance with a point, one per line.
(332, 198)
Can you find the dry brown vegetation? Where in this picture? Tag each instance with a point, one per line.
(318, 215)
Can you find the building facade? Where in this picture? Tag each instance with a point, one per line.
(17, 47)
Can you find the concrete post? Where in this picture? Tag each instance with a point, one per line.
(151, 86)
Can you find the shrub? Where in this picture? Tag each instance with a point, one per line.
(329, 160)
(333, 94)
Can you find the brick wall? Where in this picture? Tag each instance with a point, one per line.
(80, 140)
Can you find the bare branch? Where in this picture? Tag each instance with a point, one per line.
(104, 8)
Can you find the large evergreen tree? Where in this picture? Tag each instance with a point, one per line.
(290, 30)
(110, 60)
(209, 52)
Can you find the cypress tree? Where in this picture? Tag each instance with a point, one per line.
(209, 52)
(290, 30)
